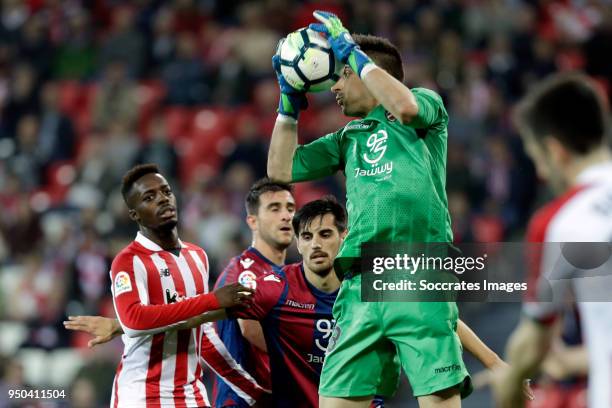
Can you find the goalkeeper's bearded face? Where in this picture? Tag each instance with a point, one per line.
(352, 94)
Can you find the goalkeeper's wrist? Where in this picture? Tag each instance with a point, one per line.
(360, 63)
(286, 119)
(288, 108)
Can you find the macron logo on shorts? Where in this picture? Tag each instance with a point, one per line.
(122, 283)
(447, 369)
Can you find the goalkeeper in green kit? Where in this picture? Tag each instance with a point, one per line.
(394, 159)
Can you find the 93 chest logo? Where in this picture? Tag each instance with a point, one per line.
(376, 148)
(377, 144)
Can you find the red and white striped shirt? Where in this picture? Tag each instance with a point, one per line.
(161, 366)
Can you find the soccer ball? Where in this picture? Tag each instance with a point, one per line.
(307, 61)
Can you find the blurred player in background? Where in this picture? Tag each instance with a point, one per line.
(564, 125)
(394, 159)
(158, 282)
(270, 207)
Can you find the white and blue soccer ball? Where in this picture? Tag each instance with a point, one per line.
(307, 61)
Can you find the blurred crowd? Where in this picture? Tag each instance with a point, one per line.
(90, 88)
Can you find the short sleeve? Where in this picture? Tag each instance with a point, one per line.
(431, 109)
(551, 284)
(317, 159)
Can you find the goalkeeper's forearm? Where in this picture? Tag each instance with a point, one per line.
(282, 149)
(390, 93)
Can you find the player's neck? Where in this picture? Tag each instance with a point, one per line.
(167, 240)
(274, 254)
(581, 163)
(328, 283)
(373, 104)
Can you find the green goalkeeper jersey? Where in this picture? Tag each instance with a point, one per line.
(395, 174)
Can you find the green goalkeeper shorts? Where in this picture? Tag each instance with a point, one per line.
(371, 340)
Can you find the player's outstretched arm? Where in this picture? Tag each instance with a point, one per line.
(138, 319)
(203, 318)
(388, 91)
(103, 329)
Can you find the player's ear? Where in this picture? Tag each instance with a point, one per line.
(559, 153)
(133, 215)
(343, 234)
(251, 221)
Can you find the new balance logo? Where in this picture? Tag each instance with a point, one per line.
(164, 272)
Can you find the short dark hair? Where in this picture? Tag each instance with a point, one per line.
(133, 174)
(318, 208)
(383, 52)
(261, 186)
(567, 107)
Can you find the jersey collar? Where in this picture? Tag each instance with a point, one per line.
(150, 245)
(376, 113)
(262, 257)
(595, 173)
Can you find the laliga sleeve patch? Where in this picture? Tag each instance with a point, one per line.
(122, 283)
(248, 279)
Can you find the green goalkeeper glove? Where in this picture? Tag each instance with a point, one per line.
(291, 100)
(343, 45)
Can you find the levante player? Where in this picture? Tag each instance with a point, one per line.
(270, 208)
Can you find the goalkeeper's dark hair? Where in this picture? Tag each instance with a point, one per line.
(132, 176)
(261, 186)
(567, 107)
(383, 53)
(318, 208)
